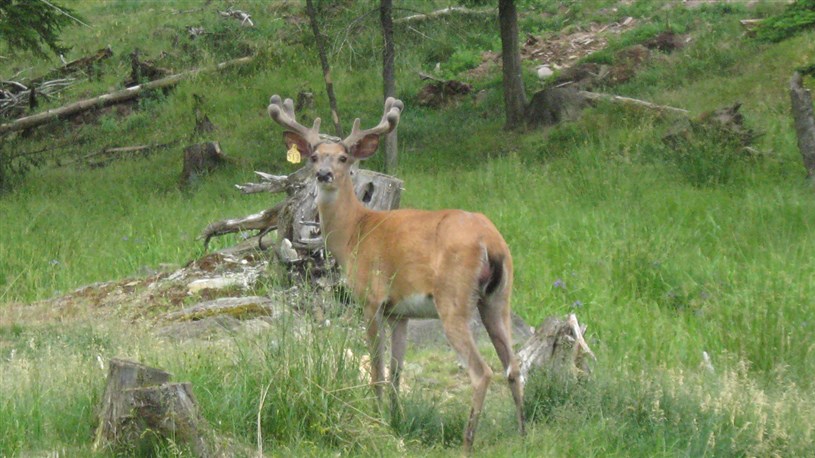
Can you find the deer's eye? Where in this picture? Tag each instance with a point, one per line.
(313, 158)
(343, 158)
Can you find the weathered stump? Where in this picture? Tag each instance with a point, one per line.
(552, 106)
(557, 347)
(201, 158)
(802, 113)
(140, 408)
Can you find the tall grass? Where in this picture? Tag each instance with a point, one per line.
(663, 253)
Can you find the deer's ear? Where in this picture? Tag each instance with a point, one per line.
(292, 138)
(365, 147)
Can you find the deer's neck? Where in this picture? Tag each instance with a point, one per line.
(340, 216)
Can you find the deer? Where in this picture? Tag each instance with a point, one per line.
(405, 264)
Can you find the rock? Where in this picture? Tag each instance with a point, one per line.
(237, 307)
(544, 72)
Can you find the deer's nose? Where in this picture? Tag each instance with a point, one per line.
(325, 176)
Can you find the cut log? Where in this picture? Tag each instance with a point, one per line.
(802, 113)
(200, 159)
(557, 346)
(111, 98)
(140, 408)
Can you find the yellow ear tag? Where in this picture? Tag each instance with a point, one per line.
(293, 154)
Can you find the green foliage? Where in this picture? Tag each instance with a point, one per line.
(705, 154)
(33, 26)
(665, 252)
(795, 18)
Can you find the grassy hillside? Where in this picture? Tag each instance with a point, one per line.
(663, 255)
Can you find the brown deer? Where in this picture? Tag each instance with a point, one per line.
(404, 264)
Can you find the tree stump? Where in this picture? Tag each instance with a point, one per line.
(802, 113)
(552, 106)
(141, 408)
(558, 347)
(201, 158)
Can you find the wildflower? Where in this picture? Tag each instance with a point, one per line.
(54, 262)
(577, 304)
(559, 284)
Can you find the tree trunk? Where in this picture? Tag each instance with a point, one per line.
(514, 94)
(389, 80)
(319, 40)
(802, 113)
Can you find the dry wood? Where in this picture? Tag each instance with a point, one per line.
(262, 221)
(111, 98)
(442, 12)
(243, 16)
(629, 101)
(802, 113)
(558, 346)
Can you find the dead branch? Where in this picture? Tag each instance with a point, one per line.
(442, 12)
(264, 221)
(629, 101)
(271, 183)
(112, 97)
(15, 100)
(243, 16)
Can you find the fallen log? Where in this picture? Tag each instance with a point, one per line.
(112, 97)
(629, 101)
(802, 113)
(442, 12)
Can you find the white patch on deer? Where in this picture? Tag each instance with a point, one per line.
(325, 196)
(415, 306)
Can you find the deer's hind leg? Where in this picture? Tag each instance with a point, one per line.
(455, 312)
(494, 310)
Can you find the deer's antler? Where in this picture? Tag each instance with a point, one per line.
(282, 111)
(390, 118)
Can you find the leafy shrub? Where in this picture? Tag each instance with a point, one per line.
(794, 19)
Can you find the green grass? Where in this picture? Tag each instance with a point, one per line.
(664, 254)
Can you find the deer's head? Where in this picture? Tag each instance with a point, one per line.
(331, 159)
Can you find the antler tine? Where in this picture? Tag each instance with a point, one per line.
(390, 118)
(282, 111)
